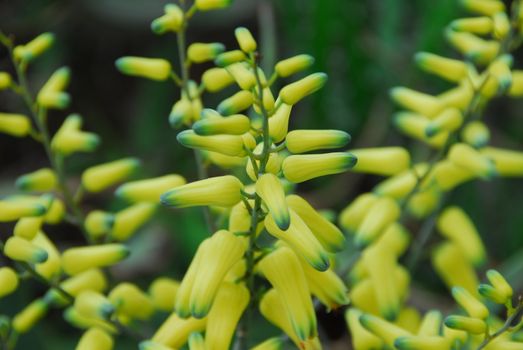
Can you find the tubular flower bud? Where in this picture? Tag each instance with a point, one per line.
(293, 65)
(430, 324)
(422, 343)
(473, 47)
(381, 214)
(40, 180)
(175, 331)
(171, 21)
(453, 267)
(454, 224)
(492, 294)
(301, 141)
(236, 103)
(446, 68)
(279, 123)
(476, 134)
(270, 189)
(229, 57)
(470, 303)
(500, 283)
(100, 177)
(93, 280)
(55, 212)
(220, 191)
(416, 101)
(11, 210)
(216, 79)
(76, 260)
(228, 307)
(477, 25)
(28, 227)
(181, 113)
(293, 93)
(242, 74)
(387, 331)
(395, 239)
(95, 338)
(51, 95)
(129, 220)
(237, 124)
(98, 223)
(92, 304)
(206, 5)
(202, 52)
(70, 139)
(424, 202)
(19, 249)
(149, 190)
(17, 125)
(448, 175)
(5, 80)
(448, 120)
(72, 316)
(196, 342)
(300, 168)
(245, 39)
(400, 185)
(275, 343)
(507, 162)
(223, 161)
(467, 157)
(224, 250)
(415, 126)
(162, 292)
(351, 217)
(283, 270)
(271, 306)
(458, 97)
(381, 161)
(8, 281)
(331, 238)
(231, 145)
(468, 324)
(131, 301)
(150, 68)
(362, 339)
(409, 319)
(34, 48)
(484, 7)
(501, 25)
(29, 316)
(300, 238)
(52, 266)
(516, 88)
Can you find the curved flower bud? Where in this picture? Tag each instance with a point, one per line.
(294, 92)
(8, 281)
(245, 39)
(28, 227)
(129, 300)
(474, 307)
(94, 305)
(387, 331)
(458, 97)
(99, 177)
(171, 21)
(181, 113)
(293, 65)
(34, 48)
(301, 141)
(500, 283)
(17, 125)
(29, 316)
(430, 324)
(231, 145)
(492, 294)
(70, 139)
(282, 268)
(238, 102)
(237, 124)
(229, 57)
(270, 189)
(51, 95)
(40, 180)
(422, 343)
(202, 52)
(381, 214)
(449, 119)
(76, 260)
(150, 68)
(149, 190)
(220, 191)
(162, 292)
(381, 161)
(472, 46)
(477, 25)
(52, 267)
(416, 101)
(175, 331)
(216, 79)
(98, 223)
(223, 161)
(468, 324)
(279, 122)
(448, 175)
(130, 219)
(467, 157)
(206, 5)
(446, 68)
(150, 345)
(300, 168)
(351, 217)
(476, 134)
(415, 126)
(95, 338)
(19, 249)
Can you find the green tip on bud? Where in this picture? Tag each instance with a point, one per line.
(236, 103)
(106, 311)
(431, 130)
(293, 93)
(172, 20)
(492, 294)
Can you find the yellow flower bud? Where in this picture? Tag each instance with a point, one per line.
(331, 238)
(501, 25)
(500, 284)
(95, 338)
(51, 95)
(467, 157)
(245, 39)
(293, 65)
(476, 134)
(275, 343)
(242, 74)
(76, 319)
(415, 126)
(29, 316)
(216, 79)
(448, 120)
(468, 324)
(387, 331)
(400, 185)
(279, 123)
(380, 215)
(131, 301)
(238, 102)
(19, 249)
(5, 80)
(473, 47)
(362, 339)
(51, 268)
(454, 224)
(202, 52)
(129, 220)
(28, 227)
(150, 68)
(229, 57)
(98, 178)
(484, 7)
(8, 281)
(181, 113)
(424, 202)
(76, 260)
(491, 293)
(301, 141)
(422, 343)
(477, 25)
(40, 180)
(55, 212)
(300, 238)
(70, 139)
(452, 266)
(220, 191)
(175, 331)
(474, 307)
(237, 124)
(283, 269)
(14, 209)
(395, 239)
(171, 21)
(431, 324)
(409, 319)
(382, 161)
(516, 89)
(416, 101)
(149, 190)
(17, 125)
(206, 5)
(456, 336)
(162, 292)
(270, 189)
(446, 68)
(34, 48)
(228, 307)
(293, 93)
(223, 161)
(458, 97)
(448, 175)
(93, 304)
(196, 341)
(507, 162)
(231, 145)
(92, 279)
(98, 223)
(351, 217)
(300, 168)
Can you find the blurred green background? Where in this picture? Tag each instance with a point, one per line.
(366, 47)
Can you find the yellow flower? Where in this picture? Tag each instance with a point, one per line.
(473, 306)
(293, 65)
(491, 293)
(220, 191)
(293, 93)
(270, 189)
(100, 177)
(8, 281)
(171, 21)
(131, 301)
(29, 316)
(162, 292)
(236, 103)
(34, 48)
(273, 165)
(196, 341)
(231, 300)
(95, 338)
(245, 39)
(151, 68)
(130, 219)
(237, 124)
(301, 141)
(19, 249)
(92, 304)
(17, 125)
(383, 212)
(40, 180)
(300, 168)
(381, 161)
(446, 68)
(175, 331)
(400, 185)
(202, 52)
(387, 331)
(468, 324)
(76, 260)
(51, 95)
(482, 7)
(279, 122)
(283, 270)
(28, 227)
